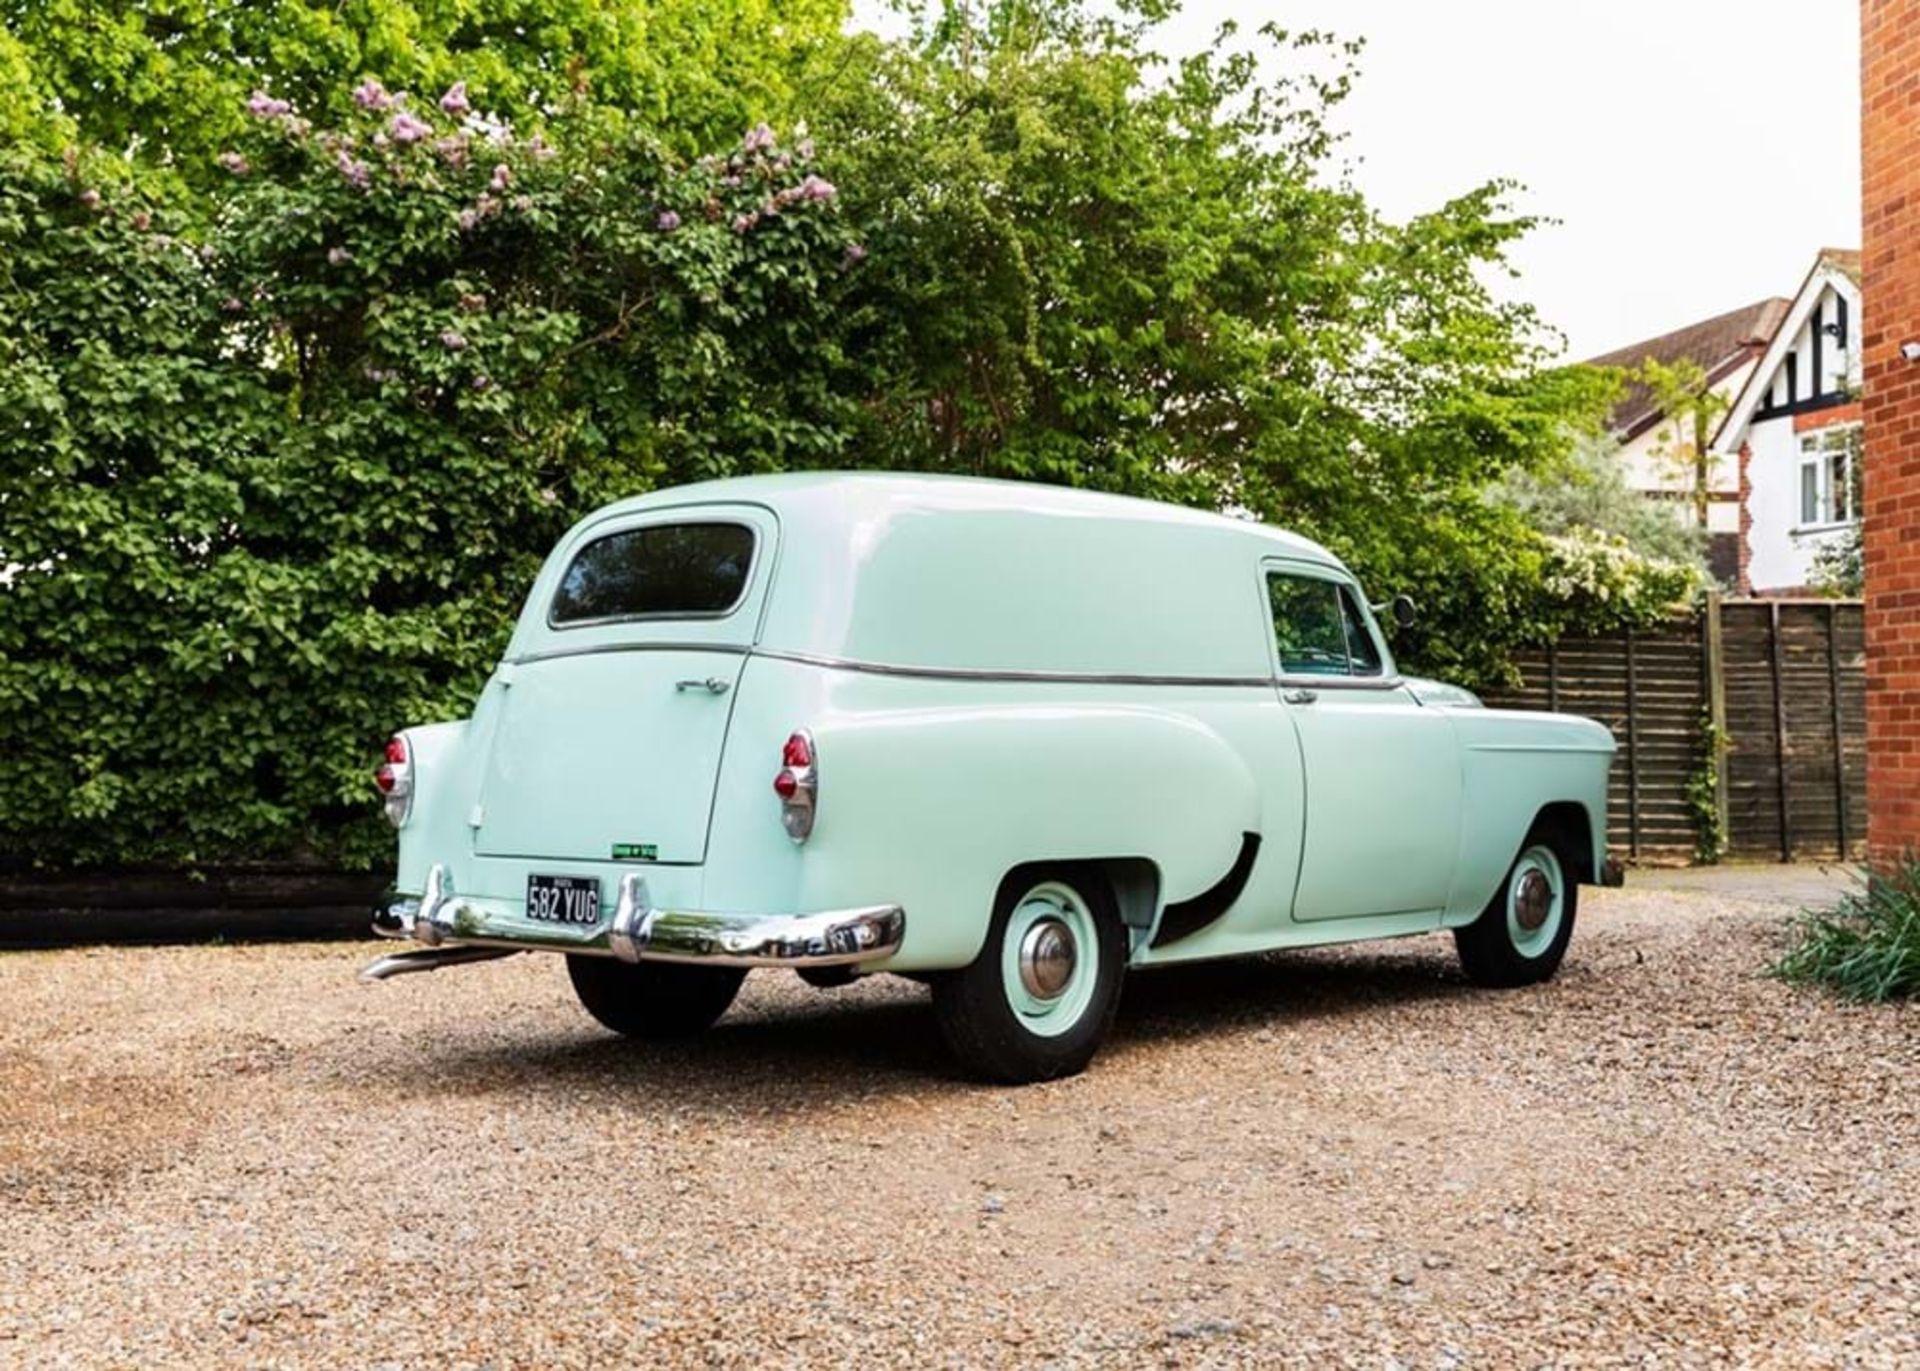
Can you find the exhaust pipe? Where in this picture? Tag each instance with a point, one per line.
(429, 959)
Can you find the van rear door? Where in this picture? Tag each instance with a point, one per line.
(617, 703)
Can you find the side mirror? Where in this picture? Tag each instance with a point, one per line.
(1405, 611)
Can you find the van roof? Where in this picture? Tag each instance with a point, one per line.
(858, 496)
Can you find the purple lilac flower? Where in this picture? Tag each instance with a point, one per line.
(453, 340)
(744, 222)
(856, 253)
(815, 188)
(482, 382)
(264, 106)
(370, 94)
(232, 305)
(405, 128)
(502, 178)
(523, 203)
(354, 170)
(452, 150)
(90, 198)
(758, 139)
(234, 163)
(455, 100)
(338, 257)
(539, 148)
(668, 221)
(467, 219)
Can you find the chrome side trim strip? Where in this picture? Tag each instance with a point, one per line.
(958, 673)
(982, 674)
(729, 649)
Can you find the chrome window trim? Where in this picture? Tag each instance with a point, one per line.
(1388, 676)
(746, 581)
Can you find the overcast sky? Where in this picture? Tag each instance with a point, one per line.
(1697, 153)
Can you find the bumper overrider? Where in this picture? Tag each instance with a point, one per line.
(456, 930)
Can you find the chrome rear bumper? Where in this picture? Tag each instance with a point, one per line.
(460, 930)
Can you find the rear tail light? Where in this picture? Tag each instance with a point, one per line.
(798, 786)
(395, 779)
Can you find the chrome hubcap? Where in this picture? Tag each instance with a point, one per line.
(1533, 900)
(1047, 957)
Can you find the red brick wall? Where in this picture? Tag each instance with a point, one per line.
(1890, 211)
(1816, 419)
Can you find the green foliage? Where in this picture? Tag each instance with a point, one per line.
(1094, 269)
(265, 495)
(1867, 947)
(289, 434)
(1703, 791)
(170, 77)
(1585, 489)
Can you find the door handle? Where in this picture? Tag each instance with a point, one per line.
(1298, 696)
(713, 685)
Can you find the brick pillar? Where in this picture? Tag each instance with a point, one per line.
(1890, 213)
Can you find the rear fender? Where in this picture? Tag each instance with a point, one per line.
(931, 808)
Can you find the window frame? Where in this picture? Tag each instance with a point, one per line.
(1387, 678)
(1821, 452)
(666, 616)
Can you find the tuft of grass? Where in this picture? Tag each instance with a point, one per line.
(1866, 947)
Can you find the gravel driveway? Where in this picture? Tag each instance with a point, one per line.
(242, 1155)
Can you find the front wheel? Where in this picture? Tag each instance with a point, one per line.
(1522, 934)
(653, 999)
(1038, 1000)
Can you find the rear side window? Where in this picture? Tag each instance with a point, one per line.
(658, 571)
(1319, 628)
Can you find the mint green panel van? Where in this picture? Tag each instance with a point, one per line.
(1011, 740)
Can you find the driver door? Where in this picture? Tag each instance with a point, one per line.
(1383, 775)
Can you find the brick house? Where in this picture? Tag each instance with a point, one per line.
(1890, 354)
(1792, 431)
(1656, 460)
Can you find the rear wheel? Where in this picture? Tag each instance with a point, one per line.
(1038, 1000)
(653, 999)
(1522, 934)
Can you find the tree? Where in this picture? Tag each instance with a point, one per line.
(1692, 409)
(1585, 490)
(170, 79)
(268, 493)
(1091, 267)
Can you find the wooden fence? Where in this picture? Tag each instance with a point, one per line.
(1781, 682)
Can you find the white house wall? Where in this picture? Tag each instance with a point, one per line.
(1781, 551)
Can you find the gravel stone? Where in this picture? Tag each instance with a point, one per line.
(242, 1156)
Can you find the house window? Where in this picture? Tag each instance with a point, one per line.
(1828, 493)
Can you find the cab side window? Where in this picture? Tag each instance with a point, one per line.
(1320, 628)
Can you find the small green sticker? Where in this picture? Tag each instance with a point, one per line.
(636, 852)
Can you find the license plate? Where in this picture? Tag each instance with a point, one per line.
(563, 899)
